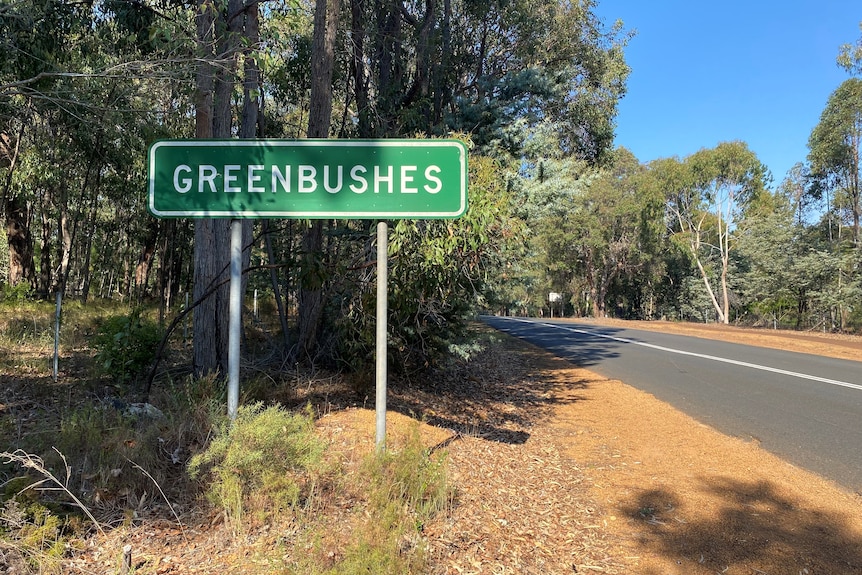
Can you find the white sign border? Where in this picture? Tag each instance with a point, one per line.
(315, 214)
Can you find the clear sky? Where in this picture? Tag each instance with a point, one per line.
(708, 72)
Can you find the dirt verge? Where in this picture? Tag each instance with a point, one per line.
(556, 470)
(677, 497)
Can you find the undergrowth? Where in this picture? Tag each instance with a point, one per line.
(261, 464)
(405, 488)
(82, 459)
(270, 462)
(126, 345)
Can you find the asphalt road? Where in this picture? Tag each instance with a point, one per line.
(804, 408)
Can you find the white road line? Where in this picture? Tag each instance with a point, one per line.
(700, 355)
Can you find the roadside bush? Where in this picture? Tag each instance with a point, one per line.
(409, 479)
(401, 490)
(126, 345)
(17, 294)
(265, 460)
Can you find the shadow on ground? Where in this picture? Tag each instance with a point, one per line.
(483, 398)
(497, 395)
(752, 529)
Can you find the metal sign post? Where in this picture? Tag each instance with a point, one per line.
(308, 179)
(234, 318)
(381, 354)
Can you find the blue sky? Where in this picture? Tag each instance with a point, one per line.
(709, 72)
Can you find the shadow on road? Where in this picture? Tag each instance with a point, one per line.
(585, 350)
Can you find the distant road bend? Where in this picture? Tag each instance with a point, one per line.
(804, 408)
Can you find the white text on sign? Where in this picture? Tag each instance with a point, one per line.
(306, 179)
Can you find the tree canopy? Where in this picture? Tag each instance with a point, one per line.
(531, 87)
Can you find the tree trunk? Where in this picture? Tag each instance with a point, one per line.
(320, 115)
(206, 326)
(273, 276)
(64, 246)
(854, 184)
(88, 247)
(390, 66)
(213, 119)
(709, 290)
(145, 260)
(251, 81)
(45, 275)
(441, 68)
(724, 246)
(359, 68)
(421, 87)
(250, 112)
(22, 267)
(725, 294)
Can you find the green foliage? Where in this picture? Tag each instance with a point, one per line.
(409, 478)
(368, 556)
(15, 294)
(437, 279)
(403, 488)
(595, 230)
(126, 345)
(406, 488)
(834, 154)
(38, 535)
(263, 461)
(850, 56)
(709, 194)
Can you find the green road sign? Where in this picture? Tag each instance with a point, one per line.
(364, 179)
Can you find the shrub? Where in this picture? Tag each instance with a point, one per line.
(263, 460)
(400, 490)
(18, 293)
(405, 489)
(408, 479)
(126, 345)
(34, 534)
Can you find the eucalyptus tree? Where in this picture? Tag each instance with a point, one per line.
(35, 38)
(708, 195)
(223, 30)
(834, 152)
(71, 110)
(494, 71)
(850, 56)
(597, 228)
(774, 286)
(552, 186)
(489, 68)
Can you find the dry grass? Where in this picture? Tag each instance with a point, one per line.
(552, 469)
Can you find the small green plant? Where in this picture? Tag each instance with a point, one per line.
(125, 345)
(33, 535)
(264, 461)
(18, 293)
(36, 530)
(405, 488)
(400, 491)
(409, 478)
